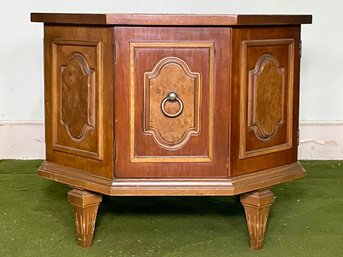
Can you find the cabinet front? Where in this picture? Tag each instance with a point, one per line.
(171, 102)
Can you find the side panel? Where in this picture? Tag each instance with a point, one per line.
(172, 91)
(79, 130)
(265, 97)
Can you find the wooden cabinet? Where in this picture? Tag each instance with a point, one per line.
(171, 105)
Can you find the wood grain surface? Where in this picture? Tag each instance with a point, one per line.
(170, 19)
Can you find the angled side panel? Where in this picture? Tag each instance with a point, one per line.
(77, 86)
(266, 120)
(79, 98)
(265, 97)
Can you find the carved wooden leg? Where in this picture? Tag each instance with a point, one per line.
(85, 207)
(257, 205)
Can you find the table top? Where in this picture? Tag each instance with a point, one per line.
(122, 19)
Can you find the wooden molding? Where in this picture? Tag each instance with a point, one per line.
(173, 187)
(170, 19)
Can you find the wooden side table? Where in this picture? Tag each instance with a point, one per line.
(177, 105)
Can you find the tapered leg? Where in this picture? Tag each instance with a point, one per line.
(257, 205)
(85, 207)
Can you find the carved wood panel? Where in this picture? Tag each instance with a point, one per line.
(76, 81)
(172, 74)
(165, 60)
(266, 97)
(77, 97)
(266, 120)
(170, 70)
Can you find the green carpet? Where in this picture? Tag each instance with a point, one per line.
(36, 220)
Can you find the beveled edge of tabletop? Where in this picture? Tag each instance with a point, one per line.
(136, 19)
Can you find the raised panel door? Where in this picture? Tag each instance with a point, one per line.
(79, 130)
(176, 114)
(266, 64)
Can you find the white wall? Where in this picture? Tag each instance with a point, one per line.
(21, 62)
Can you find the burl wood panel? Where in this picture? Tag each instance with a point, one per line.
(266, 97)
(78, 130)
(77, 105)
(188, 139)
(267, 119)
(76, 81)
(268, 94)
(143, 147)
(172, 74)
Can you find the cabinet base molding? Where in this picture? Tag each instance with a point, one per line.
(170, 186)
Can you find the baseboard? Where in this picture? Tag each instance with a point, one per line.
(319, 140)
(22, 140)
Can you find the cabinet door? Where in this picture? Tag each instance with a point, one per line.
(171, 102)
(266, 64)
(79, 132)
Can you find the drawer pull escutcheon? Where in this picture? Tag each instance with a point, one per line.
(172, 97)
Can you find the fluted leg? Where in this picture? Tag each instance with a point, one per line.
(85, 207)
(257, 205)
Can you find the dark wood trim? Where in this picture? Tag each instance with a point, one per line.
(170, 19)
(171, 187)
(273, 19)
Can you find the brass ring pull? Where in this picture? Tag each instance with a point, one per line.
(172, 97)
